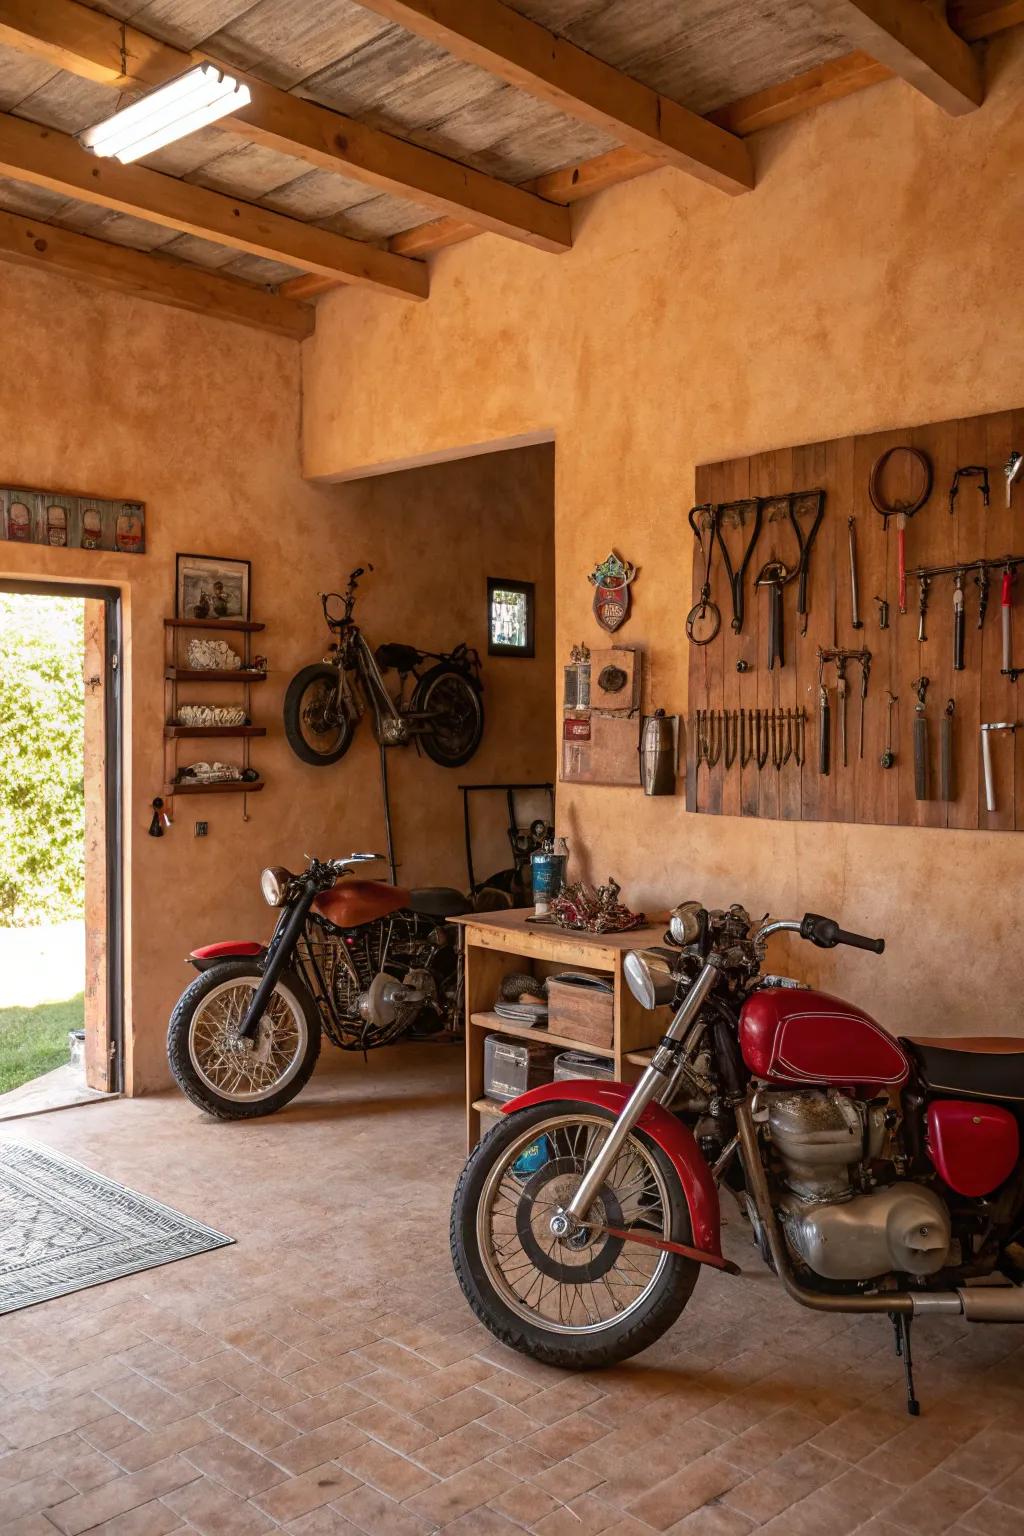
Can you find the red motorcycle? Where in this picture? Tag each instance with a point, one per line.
(877, 1175)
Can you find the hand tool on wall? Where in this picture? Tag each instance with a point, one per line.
(714, 736)
(704, 619)
(969, 471)
(839, 657)
(888, 757)
(958, 621)
(981, 581)
(987, 731)
(1006, 601)
(901, 510)
(761, 754)
(746, 737)
(1011, 469)
(946, 752)
(774, 576)
(865, 668)
(855, 618)
(734, 513)
(805, 544)
(883, 612)
(731, 734)
(924, 581)
(824, 725)
(920, 686)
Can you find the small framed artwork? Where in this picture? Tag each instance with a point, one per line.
(509, 617)
(211, 587)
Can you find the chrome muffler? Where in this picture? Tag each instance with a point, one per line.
(978, 1304)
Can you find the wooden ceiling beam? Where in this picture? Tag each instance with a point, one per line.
(529, 57)
(46, 158)
(975, 19)
(70, 36)
(916, 43)
(29, 243)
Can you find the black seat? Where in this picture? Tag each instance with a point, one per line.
(438, 901)
(982, 1067)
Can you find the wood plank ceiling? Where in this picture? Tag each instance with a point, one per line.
(397, 68)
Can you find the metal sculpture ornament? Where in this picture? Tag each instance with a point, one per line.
(611, 582)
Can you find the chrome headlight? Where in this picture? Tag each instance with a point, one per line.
(649, 977)
(274, 883)
(684, 922)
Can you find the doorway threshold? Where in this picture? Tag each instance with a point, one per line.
(63, 1088)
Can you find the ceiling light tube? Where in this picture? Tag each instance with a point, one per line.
(197, 98)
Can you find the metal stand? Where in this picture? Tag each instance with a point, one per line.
(386, 793)
(901, 1324)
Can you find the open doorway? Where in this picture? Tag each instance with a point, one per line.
(59, 846)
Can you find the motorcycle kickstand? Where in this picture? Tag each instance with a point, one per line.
(901, 1326)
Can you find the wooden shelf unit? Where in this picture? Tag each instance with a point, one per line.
(176, 675)
(500, 943)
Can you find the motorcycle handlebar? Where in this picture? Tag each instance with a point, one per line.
(826, 933)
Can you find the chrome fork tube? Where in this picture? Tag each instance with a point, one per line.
(661, 1067)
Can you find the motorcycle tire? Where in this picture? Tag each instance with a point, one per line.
(579, 1351)
(186, 1066)
(448, 685)
(337, 738)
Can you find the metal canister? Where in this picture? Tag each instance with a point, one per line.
(658, 753)
(547, 874)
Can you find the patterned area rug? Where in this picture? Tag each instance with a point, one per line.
(64, 1228)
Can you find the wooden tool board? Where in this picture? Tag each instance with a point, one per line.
(864, 791)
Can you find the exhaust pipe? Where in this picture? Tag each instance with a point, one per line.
(980, 1304)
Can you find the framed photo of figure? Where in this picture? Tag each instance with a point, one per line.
(211, 587)
(509, 617)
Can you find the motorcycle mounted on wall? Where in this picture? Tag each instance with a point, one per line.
(362, 962)
(440, 707)
(877, 1175)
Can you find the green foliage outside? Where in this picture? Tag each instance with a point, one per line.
(42, 788)
(35, 1040)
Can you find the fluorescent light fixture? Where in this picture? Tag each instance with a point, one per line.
(199, 97)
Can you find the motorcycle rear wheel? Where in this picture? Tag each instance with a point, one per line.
(457, 732)
(232, 1080)
(579, 1304)
(315, 732)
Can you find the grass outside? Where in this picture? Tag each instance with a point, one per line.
(35, 1040)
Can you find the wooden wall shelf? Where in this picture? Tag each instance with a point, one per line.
(214, 675)
(176, 732)
(500, 943)
(240, 626)
(228, 787)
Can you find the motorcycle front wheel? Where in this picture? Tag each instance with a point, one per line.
(317, 728)
(236, 1079)
(458, 724)
(587, 1300)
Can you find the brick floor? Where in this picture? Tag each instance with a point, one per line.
(324, 1376)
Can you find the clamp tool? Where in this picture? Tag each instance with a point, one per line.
(901, 510)
(969, 471)
(736, 512)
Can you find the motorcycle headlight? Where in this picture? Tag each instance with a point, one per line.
(684, 922)
(649, 977)
(274, 883)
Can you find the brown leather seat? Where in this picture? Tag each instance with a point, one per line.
(353, 902)
(976, 1066)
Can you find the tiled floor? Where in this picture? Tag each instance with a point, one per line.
(325, 1375)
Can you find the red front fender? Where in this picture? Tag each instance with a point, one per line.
(667, 1132)
(228, 949)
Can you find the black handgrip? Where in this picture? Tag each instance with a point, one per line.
(826, 933)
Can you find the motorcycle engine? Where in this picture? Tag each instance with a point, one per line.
(836, 1220)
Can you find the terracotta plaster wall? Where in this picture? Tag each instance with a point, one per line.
(434, 536)
(872, 279)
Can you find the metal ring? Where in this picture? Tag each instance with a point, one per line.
(701, 611)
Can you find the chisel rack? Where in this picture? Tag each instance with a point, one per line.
(731, 674)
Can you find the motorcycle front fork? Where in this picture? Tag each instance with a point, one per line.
(653, 1081)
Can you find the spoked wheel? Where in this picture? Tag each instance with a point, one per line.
(582, 1299)
(233, 1078)
(315, 723)
(453, 699)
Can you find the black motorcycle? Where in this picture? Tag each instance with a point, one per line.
(439, 706)
(362, 962)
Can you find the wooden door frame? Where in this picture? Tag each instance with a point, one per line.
(113, 796)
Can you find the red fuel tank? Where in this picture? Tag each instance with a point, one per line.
(795, 1035)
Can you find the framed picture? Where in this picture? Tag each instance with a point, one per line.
(509, 617)
(211, 587)
(65, 520)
